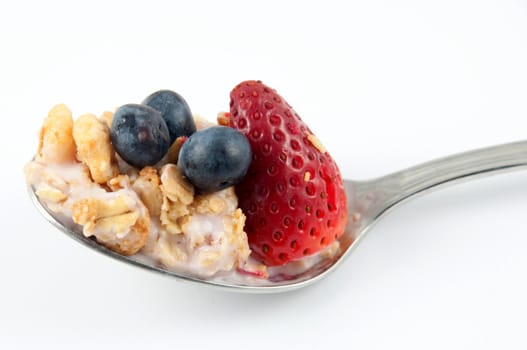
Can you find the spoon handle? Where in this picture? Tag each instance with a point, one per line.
(382, 194)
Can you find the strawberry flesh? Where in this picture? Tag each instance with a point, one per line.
(292, 195)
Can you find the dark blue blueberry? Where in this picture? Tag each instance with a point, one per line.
(175, 111)
(139, 135)
(215, 158)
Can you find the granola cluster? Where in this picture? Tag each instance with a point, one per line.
(153, 211)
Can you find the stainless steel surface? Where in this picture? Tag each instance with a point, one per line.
(368, 201)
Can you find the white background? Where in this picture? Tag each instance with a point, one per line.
(384, 84)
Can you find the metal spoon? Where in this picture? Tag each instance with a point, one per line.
(368, 202)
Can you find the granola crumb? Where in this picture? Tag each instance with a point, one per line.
(316, 143)
(118, 222)
(56, 143)
(223, 118)
(177, 195)
(107, 118)
(92, 138)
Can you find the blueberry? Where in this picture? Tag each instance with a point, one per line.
(139, 135)
(215, 158)
(175, 111)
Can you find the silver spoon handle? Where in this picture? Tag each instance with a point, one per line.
(384, 193)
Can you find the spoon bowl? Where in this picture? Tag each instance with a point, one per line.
(368, 201)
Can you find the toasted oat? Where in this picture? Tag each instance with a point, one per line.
(147, 187)
(107, 118)
(51, 194)
(238, 222)
(178, 193)
(119, 182)
(56, 143)
(209, 204)
(216, 202)
(169, 252)
(94, 148)
(88, 210)
(57, 183)
(234, 227)
(175, 186)
(134, 241)
(119, 222)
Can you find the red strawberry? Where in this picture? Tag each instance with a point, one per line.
(293, 194)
